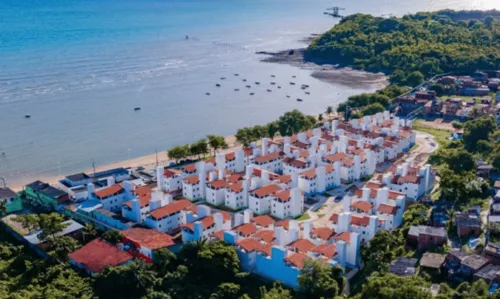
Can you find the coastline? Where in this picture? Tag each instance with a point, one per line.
(327, 73)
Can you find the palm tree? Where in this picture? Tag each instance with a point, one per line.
(329, 110)
(89, 232)
(142, 274)
(320, 117)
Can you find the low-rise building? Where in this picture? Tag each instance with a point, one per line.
(142, 242)
(468, 224)
(427, 237)
(12, 200)
(44, 196)
(403, 266)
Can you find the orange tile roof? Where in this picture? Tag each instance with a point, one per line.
(189, 168)
(345, 236)
(328, 250)
(109, 191)
(218, 235)
(248, 244)
(148, 238)
(206, 222)
(302, 245)
(217, 184)
(230, 156)
(267, 190)
(295, 162)
(266, 249)
(142, 191)
(285, 223)
(373, 185)
(334, 218)
(144, 201)
(264, 220)
(172, 208)
(394, 194)
(360, 220)
(236, 188)
(413, 179)
(98, 254)
(283, 196)
(265, 235)
(387, 209)
(329, 168)
(362, 206)
(309, 174)
(296, 259)
(169, 173)
(268, 158)
(246, 229)
(324, 233)
(285, 179)
(234, 178)
(335, 157)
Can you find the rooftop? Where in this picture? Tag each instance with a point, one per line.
(70, 227)
(267, 190)
(428, 230)
(403, 266)
(98, 254)
(432, 260)
(324, 233)
(302, 245)
(148, 238)
(6, 193)
(474, 261)
(109, 191)
(174, 207)
(264, 220)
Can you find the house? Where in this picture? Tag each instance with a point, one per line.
(112, 197)
(413, 181)
(468, 224)
(432, 262)
(471, 264)
(272, 162)
(259, 200)
(490, 274)
(236, 195)
(97, 255)
(142, 242)
(496, 186)
(427, 237)
(91, 211)
(492, 253)
(171, 216)
(287, 203)
(44, 196)
(403, 266)
(71, 228)
(12, 200)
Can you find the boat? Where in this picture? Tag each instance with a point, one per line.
(248, 86)
(236, 89)
(269, 90)
(236, 75)
(279, 87)
(273, 83)
(257, 83)
(273, 76)
(223, 78)
(287, 96)
(137, 108)
(291, 83)
(307, 92)
(299, 100)
(27, 116)
(244, 80)
(218, 85)
(303, 87)
(294, 76)
(252, 94)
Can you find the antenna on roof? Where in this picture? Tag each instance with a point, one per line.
(156, 157)
(93, 166)
(4, 183)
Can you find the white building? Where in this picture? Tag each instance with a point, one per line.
(259, 200)
(412, 181)
(272, 162)
(171, 216)
(287, 203)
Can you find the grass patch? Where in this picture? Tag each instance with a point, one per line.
(440, 135)
(302, 217)
(321, 215)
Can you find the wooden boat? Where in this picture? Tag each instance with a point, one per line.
(269, 90)
(252, 94)
(27, 116)
(236, 89)
(137, 108)
(299, 100)
(207, 93)
(218, 85)
(273, 83)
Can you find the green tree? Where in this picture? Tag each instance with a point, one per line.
(163, 259)
(30, 222)
(216, 142)
(51, 224)
(320, 117)
(415, 78)
(276, 292)
(372, 109)
(478, 129)
(329, 110)
(390, 286)
(316, 281)
(62, 246)
(272, 129)
(178, 152)
(226, 290)
(113, 236)
(3, 207)
(293, 122)
(89, 232)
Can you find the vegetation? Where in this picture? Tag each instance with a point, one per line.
(412, 47)
(212, 143)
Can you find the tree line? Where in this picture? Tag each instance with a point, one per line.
(204, 146)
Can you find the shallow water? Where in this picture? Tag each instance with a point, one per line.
(79, 68)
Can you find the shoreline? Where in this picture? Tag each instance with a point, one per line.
(326, 73)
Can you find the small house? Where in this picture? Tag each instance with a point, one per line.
(427, 237)
(468, 224)
(403, 266)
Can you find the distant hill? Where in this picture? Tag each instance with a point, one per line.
(431, 43)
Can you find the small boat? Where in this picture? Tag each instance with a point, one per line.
(236, 89)
(307, 86)
(244, 80)
(252, 94)
(291, 83)
(303, 87)
(273, 83)
(236, 75)
(137, 108)
(279, 87)
(307, 92)
(218, 85)
(207, 93)
(257, 83)
(27, 116)
(269, 90)
(223, 78)
(299, 100)
(248, 86)
(294, 76)
(287, 96)
(273, 76)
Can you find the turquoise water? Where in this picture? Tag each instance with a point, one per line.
(80, 67)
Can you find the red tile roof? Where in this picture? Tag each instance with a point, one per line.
(264, 220)
(324, 233)
(266, 249)
(268, 158)
(189, 168)
(309, 174)
(217, 184)
(265, 235)
(267, 190)
(219, 235)
(249, 244)
(144, 201)
(98, 254)
(334, 218)
(362, 206)
(360, 220)
(283, 196)
(192, 180)
(246, 229)
(236, 188)
(207, 221)
(302, 245)
(285, 179)
(106, 192)
(336, 157)
(285, 223)
(394, 194)
(387, 209)
(295, 162)
(296, 259)
(148, 238)
(234, 178)
(328, 250)
(169, 173)
(345, 236)
(172, 208)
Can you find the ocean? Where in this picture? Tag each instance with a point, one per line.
(79, 68)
